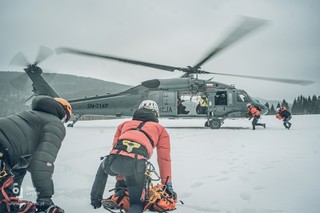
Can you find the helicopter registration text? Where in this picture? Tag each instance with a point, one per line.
(165, 109)
(94, 106)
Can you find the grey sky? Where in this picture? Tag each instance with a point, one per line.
(170, 32)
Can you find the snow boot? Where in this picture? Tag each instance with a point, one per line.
(109, 204)
(264, 125)
(121, 185)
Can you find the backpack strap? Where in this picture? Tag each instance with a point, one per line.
(139, 128)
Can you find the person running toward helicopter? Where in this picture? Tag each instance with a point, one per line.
(254, 113)
(30, 141)
(285, 115)
(133, 146)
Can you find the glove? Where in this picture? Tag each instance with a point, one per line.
(170, 191)
(46, 205)
(96, 203)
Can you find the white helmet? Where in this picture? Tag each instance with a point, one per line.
(278, 109)
(248, 104)
(149, 104)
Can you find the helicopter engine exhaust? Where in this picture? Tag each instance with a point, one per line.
(167, 83)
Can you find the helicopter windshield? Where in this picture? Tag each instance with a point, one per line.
(243, 97)
(256, 100)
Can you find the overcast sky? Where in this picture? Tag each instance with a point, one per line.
(170, 32)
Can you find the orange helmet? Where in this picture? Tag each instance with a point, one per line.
(67, 107)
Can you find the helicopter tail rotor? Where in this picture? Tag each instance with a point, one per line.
(43, 54)
(21, 60)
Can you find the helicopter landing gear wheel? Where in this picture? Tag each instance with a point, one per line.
(215, 124)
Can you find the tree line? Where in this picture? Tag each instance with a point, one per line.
(301, 105)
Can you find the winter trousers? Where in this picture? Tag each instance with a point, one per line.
(286, 122)
(255, 122)
(134, 172)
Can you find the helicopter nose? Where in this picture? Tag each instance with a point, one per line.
(264, 109)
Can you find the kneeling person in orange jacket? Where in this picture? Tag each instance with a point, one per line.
(133, 145)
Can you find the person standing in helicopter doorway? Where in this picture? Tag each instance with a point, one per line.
(133, 146)
(285, 115)
(254, 113)
(30, 141)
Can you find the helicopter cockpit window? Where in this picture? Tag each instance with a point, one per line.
(242, 97)
(221, 98)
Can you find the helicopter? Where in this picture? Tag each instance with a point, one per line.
(222, 100)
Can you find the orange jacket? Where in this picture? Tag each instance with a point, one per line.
(254, 112)
(160, 139)
(279, 116)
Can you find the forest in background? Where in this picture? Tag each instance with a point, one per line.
(301, 105)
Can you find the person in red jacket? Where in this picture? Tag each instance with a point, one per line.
(285, 115)
(133, 145)
(255, 114)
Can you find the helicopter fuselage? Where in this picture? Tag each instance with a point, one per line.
(223, 100)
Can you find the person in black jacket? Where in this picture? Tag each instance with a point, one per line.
(285, 115)
(30, 141)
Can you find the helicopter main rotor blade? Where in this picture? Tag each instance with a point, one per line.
(43, 54)
(19, 60)
(247, 25)
(282, 80)
(147, 64)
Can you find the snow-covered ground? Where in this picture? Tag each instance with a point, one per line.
(230, 170)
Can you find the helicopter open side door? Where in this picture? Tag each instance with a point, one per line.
(219, 102)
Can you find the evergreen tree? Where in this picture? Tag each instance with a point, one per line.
(309, 105)
(304, 105)
(285, 104)
(318, 105)
(313, 107)
(272, 111)
(294, 107)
